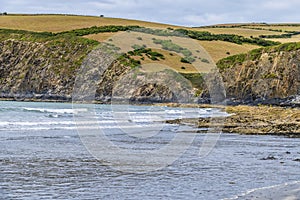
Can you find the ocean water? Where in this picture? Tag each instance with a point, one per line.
(44, 154)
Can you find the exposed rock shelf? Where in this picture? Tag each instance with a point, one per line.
(258, 120)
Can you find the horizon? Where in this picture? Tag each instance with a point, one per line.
(188, 13)
(111, 17)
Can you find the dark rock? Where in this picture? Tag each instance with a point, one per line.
(269, 158)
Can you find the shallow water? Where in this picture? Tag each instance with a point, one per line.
(43, 157)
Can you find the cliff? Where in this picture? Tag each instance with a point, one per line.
(45, 68)
(32, 68)
(268, 75)
(40, 66)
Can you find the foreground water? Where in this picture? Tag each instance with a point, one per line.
(43, 157)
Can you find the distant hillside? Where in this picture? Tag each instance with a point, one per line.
(59, 23)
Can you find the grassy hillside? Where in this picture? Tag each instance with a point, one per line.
(220, 41)
(60, 23)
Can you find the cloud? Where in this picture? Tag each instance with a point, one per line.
(179, 12)
(207, 18)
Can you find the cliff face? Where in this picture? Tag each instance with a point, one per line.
(38, 70)
(267, 75)
(47, 71)
(107, 78)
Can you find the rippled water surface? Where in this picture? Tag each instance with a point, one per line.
(43, 157)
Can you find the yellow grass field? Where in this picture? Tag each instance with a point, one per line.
(283, 28)
(295, 38)
(59, 23)
(218, 49)
(238, 31)
(125, 41)
(101, 37)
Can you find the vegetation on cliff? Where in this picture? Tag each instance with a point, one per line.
(40, 63)
(263, 75)
(256, 54)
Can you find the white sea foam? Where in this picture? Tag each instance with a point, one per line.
(81, 127)
(49, 118)
(51, 123)
(58, 111)
(251, 191)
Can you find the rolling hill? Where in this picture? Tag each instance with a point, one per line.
(217, 49)
(40, 56)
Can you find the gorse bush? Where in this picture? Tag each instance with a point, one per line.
(170, 46)
(100, 29)
(141, 50)
(127, 61)
(188, 59)
(207, 36)
(204, 60)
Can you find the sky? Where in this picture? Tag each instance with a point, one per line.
(176, 12)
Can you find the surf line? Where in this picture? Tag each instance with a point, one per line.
(262, 188)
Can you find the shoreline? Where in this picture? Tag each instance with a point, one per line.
(242, 119)
(251, 120)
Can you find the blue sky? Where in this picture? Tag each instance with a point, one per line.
(179, 12)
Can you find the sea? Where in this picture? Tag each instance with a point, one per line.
(91, 151)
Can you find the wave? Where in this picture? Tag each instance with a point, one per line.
(51, 123)
(57, 111)
(80, 127)
(262, 189)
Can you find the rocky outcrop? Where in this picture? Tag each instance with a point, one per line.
(32, 70)
(258, 120)
(273, 76)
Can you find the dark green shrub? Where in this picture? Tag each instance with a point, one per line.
(204, 60)
(189, 60)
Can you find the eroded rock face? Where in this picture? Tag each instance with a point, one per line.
(274, 75)
(123, 84)
(37, 70)
(31, 70)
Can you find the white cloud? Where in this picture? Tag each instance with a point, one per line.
(280, 4)
(205, 19)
